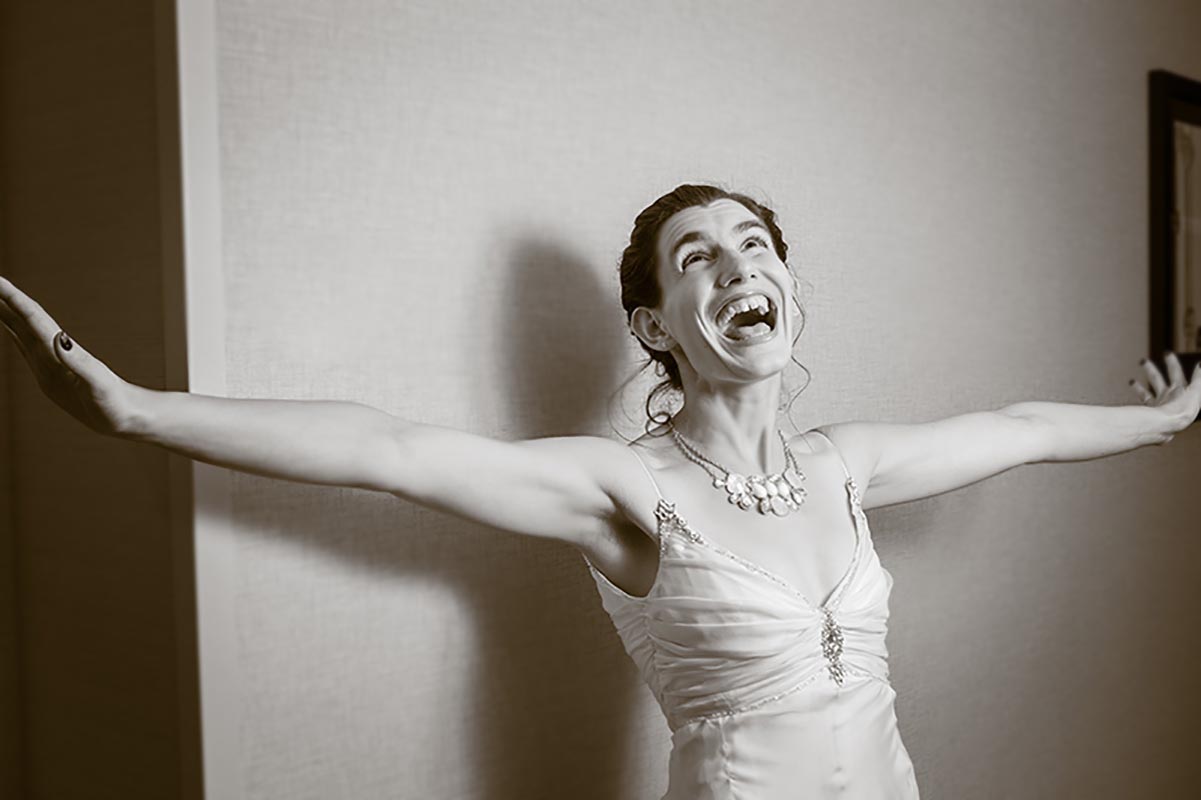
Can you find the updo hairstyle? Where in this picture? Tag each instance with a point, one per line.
(640, 279)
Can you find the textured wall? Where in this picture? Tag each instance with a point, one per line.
(96, 713)
(423, 204)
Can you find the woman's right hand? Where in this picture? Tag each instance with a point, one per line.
(78, 383)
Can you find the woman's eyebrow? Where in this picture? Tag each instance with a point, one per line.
(697, 236)
(749, 223)
(691, 236)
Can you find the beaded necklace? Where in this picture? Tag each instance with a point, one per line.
(779, 494)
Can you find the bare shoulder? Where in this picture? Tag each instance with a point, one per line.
(852, 441)
(656, 444)
(609, 462)
(625, 550)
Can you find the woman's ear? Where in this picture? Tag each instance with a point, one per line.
(646, 326)
(794, 307)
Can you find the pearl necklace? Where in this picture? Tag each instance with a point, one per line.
(779, 494)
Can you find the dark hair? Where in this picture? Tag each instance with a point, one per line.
(640, 279)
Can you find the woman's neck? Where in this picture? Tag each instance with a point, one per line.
(734, 425)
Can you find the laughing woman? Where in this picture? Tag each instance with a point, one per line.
(735, 560)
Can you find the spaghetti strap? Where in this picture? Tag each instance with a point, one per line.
(642, 464)
(841, 460)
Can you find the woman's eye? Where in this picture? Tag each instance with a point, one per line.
(754, 240)
(691, 257)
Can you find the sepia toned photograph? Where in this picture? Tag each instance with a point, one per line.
(657, 400)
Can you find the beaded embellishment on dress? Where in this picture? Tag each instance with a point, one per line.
(831, 634)
(767, 694)
(832, 646)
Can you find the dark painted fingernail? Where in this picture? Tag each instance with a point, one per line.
(65, 341)
(1142, 361)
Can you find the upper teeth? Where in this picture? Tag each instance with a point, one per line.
(758, 301)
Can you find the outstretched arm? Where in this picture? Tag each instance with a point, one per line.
(561, 488)
(1073, 432)
(908, 462)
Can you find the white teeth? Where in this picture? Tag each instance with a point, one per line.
(758, 301)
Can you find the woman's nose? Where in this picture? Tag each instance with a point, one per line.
(738, 267)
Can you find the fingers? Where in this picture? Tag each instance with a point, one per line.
(11, 319)
(25, 317)
(1158, 386)
(12, 324)
(1154, 377)
(1175, 371)
(74, 357)
(33, 331)
(17, 341)
(63, 345)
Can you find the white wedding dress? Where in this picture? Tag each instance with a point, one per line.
(763, 700)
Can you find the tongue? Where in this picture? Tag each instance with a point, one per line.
(747, 331)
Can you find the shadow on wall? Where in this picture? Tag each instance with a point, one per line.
(559, 349)
(554, 692)
(570, 690)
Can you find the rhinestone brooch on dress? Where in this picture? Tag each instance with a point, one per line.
(832, 646)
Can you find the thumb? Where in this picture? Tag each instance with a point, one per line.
(63, 345)
(71, 355)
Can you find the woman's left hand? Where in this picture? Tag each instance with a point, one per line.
(1177, 397)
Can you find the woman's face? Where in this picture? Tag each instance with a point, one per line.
(714, 260)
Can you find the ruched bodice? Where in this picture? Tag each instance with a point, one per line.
(768, 694)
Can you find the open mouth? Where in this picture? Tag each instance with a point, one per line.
(748, 317)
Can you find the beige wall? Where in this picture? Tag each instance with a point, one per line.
(91, 699)
(423, 206)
